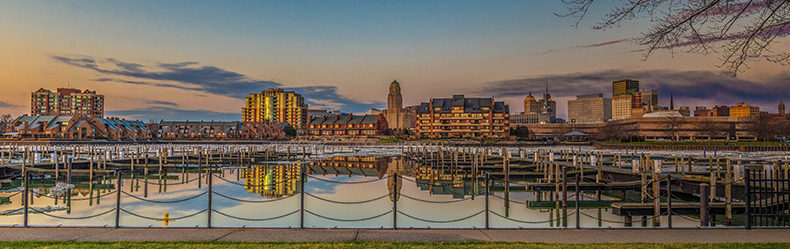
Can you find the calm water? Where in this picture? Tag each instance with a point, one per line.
(340, 191)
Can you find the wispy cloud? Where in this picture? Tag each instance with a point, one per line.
(688, 87)
(203, 79)
(6, 105)
(594, 45)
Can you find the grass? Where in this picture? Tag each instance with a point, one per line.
(701, 143)
(169, 245)
(389, 140)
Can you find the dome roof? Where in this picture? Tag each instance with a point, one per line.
(529, 97)
(663, 114)
(395, 82)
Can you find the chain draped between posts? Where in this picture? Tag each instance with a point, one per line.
(35, 210)
(156, 201)
(156, 219)
(531, 222)
(347, 202)
(251, 201)
(352, 182)
(441, 221)
(348, 220)
(254, 219)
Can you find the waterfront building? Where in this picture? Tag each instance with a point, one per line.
(589, 109)
(720, 111)
(461, 117)
(744, 110)
(701, 111)
(276, 105)
(217, 130)
(397, 117)
(348, 125)
(67, 102)
(536, 111)
(625, 86)
(78, 128)
(622, 106)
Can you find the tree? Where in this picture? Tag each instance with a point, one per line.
(761, 127)
(711, 129)
(5, 122)
(289, 131)
(739, 30)
(522, 132)
(672, 127)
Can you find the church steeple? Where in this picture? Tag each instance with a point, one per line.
(671, 101)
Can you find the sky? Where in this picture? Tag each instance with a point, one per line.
(197, 60)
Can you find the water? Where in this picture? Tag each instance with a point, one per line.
(359, 189)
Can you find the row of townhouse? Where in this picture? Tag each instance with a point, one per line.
(351, 125)
(77, 128)
(216, 130)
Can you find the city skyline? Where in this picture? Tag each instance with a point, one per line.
(198, 60)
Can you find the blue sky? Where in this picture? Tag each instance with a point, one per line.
(342, 54)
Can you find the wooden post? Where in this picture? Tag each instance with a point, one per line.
(728, 194)
(578, 193)
(301, 198)
(395, 201)
(210, 185)
(656, 196)
(704, 190)
(118, 200)
(25, 196)
(488, 187)
(669, 201)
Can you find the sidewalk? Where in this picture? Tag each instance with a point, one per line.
(421, 235)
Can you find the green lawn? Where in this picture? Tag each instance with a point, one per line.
(168, 245)
(700, 143)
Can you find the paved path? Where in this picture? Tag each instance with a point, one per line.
(531, 235)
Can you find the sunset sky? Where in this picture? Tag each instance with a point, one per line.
(178, 60)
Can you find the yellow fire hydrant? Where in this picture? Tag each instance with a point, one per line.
(166, 219)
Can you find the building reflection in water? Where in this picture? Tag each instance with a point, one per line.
(272, 181)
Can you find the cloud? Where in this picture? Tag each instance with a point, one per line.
(594, 45)
(203, 79)
(159, 102)
(688, 87)
(6, 105)
(169, 113)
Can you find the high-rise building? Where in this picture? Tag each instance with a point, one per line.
(397, 117)
(649, 98)
(589, 109)
(621, 106)
(459, 117)
(67, 102)
(720, 111)
(531, 105)
(548, 106)
(625, 86)
(781, 107)
(744, 110)
(275, 105)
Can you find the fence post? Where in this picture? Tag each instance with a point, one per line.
(704, 204)
(301, 199)
(747, 177)
(488, 186)
(669, 201)
(578, 213)
(395, 201)
(118, 201)
(25, 196)
(210, 176)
